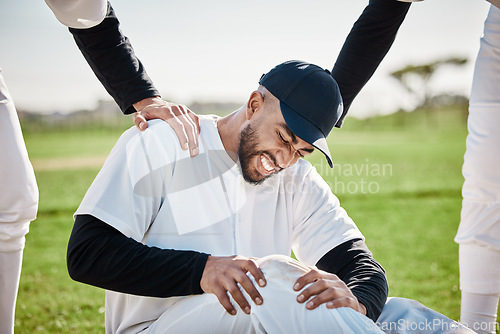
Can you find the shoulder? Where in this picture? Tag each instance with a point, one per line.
(159, 141)
(143, 151)
(160, 129)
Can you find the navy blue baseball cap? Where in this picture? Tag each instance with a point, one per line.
(310, 100)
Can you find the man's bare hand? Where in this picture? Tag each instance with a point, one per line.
(184, 122)
(326, 288)
(226, 274)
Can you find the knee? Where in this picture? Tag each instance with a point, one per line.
(12, 236)
(19, 203)
(280, 268)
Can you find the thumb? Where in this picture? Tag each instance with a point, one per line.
(140, 122)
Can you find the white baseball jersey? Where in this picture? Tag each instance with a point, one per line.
(154, 192)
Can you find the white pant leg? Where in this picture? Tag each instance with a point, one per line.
(480, 218)
(480, 286)
(202, 314)
(10, 264)
(280, 312)
(18, 188)
(480, 272)
(479, 230)
(18, 205)
(479, 312)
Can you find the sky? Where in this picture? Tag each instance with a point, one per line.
(197, 50)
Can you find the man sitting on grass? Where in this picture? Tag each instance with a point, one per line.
(184, 245)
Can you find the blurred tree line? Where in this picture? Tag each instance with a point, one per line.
(416, 80)
(106, 116)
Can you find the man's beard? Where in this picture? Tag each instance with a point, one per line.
(247, 152)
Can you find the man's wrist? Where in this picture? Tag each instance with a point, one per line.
(147, 101)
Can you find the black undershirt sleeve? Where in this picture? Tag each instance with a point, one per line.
(365, 47)
(353, 263)
(100, 255)
(111, 56)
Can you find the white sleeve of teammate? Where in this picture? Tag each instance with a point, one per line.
(320, 223)
(79, 14)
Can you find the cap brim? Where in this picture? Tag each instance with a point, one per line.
(306, 131)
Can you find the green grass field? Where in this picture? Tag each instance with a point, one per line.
(398, 176)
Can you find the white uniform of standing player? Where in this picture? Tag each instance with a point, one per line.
(18, 205)
(18, 188)
(479, 230)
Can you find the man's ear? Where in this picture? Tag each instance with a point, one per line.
(255, 104)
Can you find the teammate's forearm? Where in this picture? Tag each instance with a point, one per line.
(366, 45)
(100, 255)
(353, 263)
(111, 56)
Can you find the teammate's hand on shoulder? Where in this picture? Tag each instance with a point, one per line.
(185, 123)
(326, 288)
(222, 275)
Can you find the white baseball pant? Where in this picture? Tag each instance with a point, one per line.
(281, 313)
(479, 231)
(18, 205)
